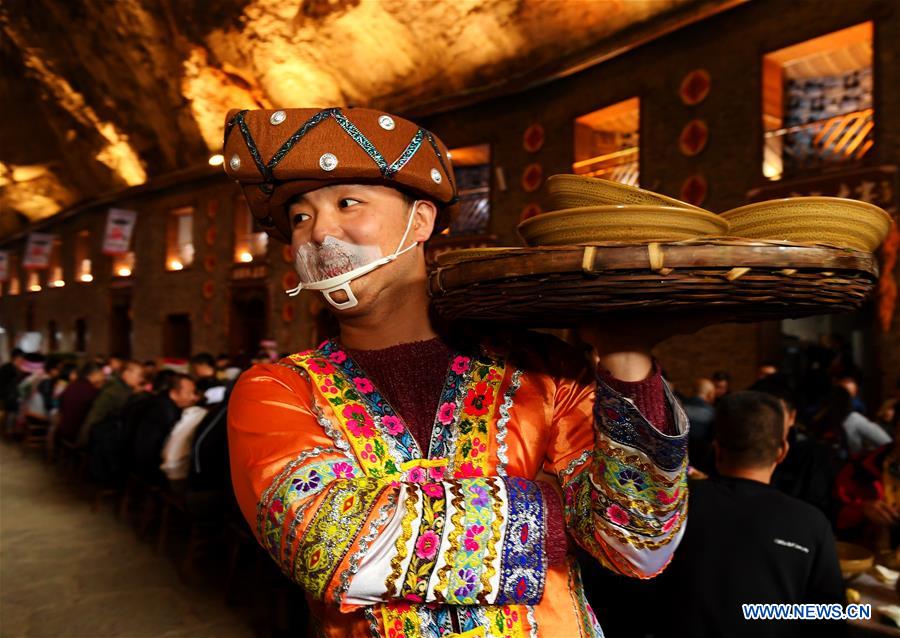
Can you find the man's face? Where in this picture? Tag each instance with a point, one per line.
(371, 217)
(202, 370)
(133, 375)
(721, 387)
(849, 385)
(97, 378)
(185, 394)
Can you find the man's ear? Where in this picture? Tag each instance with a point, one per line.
(424, 217)
(785, 447)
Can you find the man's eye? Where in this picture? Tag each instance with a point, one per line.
(346, 202)
(299, 218)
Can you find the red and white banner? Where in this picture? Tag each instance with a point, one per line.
(37, 251)
(4, 265)
(119, 224)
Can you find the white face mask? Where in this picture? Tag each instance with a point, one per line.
(331, 266)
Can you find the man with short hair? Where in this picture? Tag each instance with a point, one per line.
(112, 398)
(405, 478)
(203, 370)
(154, 425)
(75, 401)
(746, 542)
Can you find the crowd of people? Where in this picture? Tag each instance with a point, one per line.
(157, 423)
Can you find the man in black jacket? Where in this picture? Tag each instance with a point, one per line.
(746, 542)
(161, 415)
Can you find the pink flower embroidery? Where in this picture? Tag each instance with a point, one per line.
(460, 365)
(392, 424)
(363, 385)
(343, 470)
(416, 475)
(320, 366)
(664, 498)
(328, 387)
(358, 422)
(477, 447)
(434, 490)
(427, 545)
(471, 542)
(493, 375)
(468, 470)
(436, 473)
(338, 357)
(617, 515)
(445, 415)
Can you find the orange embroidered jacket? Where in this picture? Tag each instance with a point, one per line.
(391, 540)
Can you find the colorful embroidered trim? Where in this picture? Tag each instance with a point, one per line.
(368, 443)
(479, 408)
(523, 567)
(333, 529)
(502, 458)
(623, 423)
(392, 582)
(466, 555)
(424, 557)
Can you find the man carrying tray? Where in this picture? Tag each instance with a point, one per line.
(396, 474)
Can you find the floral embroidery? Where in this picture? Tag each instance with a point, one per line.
(415, 582)
(310, 481)
(338, 356)
(330, 534)
(436, 473)
(343, 471)
(468, 470)
(328, 387)
(392, 424)
(358, 421)
(472, 536)
(460, 364)
(427, 545)
(523, 569)
(416, 475)
(363, 385)
(478, 400)
(617, 515)
(392, 584)
(446, 413)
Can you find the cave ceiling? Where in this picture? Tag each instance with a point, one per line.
(100, 95)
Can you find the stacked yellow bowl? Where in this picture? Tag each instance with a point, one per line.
(589, 211)
(845, 223)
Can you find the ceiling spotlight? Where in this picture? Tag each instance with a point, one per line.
(216, 160)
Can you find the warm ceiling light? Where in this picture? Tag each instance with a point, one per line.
(35, 288)
(124, 271)
(245, 257)
(87, 277)
(217, 160)
(59, 283)
(176, 265)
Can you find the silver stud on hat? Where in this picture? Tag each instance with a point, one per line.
(328, 162)
(277, 118)
(436, 175)
(386, 122)
(234, 162)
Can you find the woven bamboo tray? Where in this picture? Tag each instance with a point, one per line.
(736, 279)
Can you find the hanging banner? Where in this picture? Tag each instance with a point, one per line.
(37, 251)
(4, 265)
(119, 224)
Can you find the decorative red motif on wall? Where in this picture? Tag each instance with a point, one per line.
(530, 211)
(694, 189)
(287, 312)
(287, 254)
(209, 289)
(209, 263)
(887, 286)
(212, 208)
(533, 138)
(211, 234)
(289, 280)
(532, 177)
(693, 138)
(695, 87)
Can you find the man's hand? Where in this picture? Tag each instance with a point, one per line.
(624, 344)
(880, 513)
